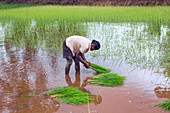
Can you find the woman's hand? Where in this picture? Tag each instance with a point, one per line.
(86, 65)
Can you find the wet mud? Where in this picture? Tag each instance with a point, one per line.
(28, 71)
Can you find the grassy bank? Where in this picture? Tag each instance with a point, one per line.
(86, 13)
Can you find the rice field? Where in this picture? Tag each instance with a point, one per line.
(32, 36)
(141, 32)
(86, 13)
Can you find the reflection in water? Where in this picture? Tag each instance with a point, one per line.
(162, 92)
(139, 44)
(23, 72)
(31, 59)
(40, 34)
(167, 69)
(25, 67)
(77, 84)
(132, 43)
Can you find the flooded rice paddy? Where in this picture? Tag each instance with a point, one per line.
(31, 62)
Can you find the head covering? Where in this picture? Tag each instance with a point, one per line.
(96, 44)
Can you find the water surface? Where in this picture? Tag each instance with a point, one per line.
(31, 63)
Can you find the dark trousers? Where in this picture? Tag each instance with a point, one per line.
(67, 54)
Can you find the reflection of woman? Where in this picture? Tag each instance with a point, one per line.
(77, 82)
(97, 99)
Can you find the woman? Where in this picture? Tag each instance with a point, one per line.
(74, 48)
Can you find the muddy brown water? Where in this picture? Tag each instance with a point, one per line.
(29, 71)
(26, 71)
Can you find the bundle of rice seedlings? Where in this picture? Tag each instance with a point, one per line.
(69, 95)
(107, 79)
(165, 105)
(98, 68)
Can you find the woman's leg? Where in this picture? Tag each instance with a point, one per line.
(77, 64)
(69, 63)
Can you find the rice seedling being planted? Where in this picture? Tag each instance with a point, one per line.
(107, 79)
(98, 68)
(165, 105)
(69, 95)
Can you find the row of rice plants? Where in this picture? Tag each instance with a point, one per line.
(86, 13)
(132, 43)
(39, 33)
(10, 6)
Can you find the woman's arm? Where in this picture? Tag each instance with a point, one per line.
(82, 58)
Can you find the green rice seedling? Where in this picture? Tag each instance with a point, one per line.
(30, 95)
(98, 68)
(107, 79)
(165, 105)
(69, 95)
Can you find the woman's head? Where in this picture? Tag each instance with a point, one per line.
(95, 45)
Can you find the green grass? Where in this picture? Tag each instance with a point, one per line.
(69, 95)
(165, 105)
(11, 6)
(107, 79)
(87, 13)
(98, 68)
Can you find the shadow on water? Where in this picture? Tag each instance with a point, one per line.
(31, 58)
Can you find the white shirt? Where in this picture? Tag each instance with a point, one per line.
(76, 43)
